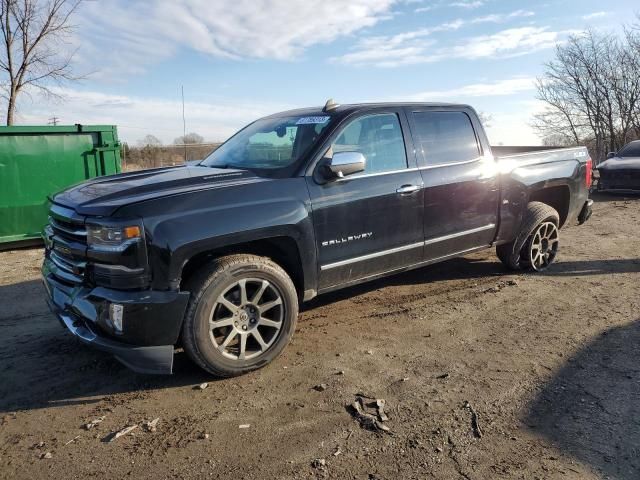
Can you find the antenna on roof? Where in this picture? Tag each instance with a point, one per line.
(330, 105)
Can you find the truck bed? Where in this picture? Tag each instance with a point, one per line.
(520, 157)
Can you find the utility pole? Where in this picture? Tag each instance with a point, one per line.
(54, 121)
(184, 126)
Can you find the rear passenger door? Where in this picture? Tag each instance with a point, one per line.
(460, 182)
(370, 222)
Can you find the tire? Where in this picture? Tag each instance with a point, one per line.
(518, 254)
(227, 332)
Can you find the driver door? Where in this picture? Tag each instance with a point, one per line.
(370, 222)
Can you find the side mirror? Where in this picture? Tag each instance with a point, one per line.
(611, 155)
(346, 163)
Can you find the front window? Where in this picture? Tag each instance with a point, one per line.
(630, 150)
(269, 143)
(379, 138)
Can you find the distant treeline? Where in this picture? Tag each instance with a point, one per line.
(153, 156)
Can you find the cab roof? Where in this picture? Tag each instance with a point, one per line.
(346, 109)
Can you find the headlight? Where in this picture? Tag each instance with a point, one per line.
(103, 236)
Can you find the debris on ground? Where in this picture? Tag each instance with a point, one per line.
(121, 433)
(444, 375)
(369, 352)
(477, 432)
(46, 455)
(500, 285)
(337, 452)
(340, 372)
(244, 425)
(72, 440)
(321, 387)
(204, 436)
(202, 386)
(380, 404)
(368, 420)
(151, 425)
(319, 463)
(94, 423)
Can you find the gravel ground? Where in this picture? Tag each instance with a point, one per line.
(547, 365)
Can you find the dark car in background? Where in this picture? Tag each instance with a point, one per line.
(621, 171)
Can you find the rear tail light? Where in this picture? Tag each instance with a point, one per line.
(589, 173)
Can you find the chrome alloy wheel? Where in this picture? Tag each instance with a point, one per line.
(246, 318)
(544, 246)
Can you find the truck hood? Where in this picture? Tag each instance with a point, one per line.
(104, 195)
(620, 163)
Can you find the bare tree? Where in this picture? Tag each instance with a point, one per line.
(486, 119)
(592, 92)
(189, 138)
(150, 141)
(31, 54)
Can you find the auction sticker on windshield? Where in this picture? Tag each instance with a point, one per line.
(312, 120)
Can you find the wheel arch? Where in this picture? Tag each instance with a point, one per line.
(283, 250)
(558, 197)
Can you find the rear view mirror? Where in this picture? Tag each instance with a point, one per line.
(611, 155)
(346, 163)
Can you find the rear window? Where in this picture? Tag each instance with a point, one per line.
(446, 137)
(630, 150)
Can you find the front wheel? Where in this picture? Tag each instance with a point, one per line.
(536, 246)
(242, 313)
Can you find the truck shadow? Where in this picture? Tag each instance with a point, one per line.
(41, 365)
(593, 267)
(589, 409)
(476, 267)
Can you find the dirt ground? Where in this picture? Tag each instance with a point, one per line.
(550, 364)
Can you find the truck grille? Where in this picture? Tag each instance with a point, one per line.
(66, 245)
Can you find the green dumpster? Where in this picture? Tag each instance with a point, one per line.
(37, 161)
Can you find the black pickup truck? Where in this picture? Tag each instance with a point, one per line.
(217, 256)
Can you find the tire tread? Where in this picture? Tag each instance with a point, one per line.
(198, 284)
(510, 253)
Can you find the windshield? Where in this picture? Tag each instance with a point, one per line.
(630, 150)
(269, 143)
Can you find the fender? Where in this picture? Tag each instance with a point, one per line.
(180, 227)
(521, 183)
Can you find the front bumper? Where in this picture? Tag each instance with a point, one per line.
(585, 213)
(623, 181)
(151, 321)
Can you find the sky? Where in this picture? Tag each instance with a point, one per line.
(242, 59)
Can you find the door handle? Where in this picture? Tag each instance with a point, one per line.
(407, 189)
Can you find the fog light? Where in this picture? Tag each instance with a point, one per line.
(116, 312)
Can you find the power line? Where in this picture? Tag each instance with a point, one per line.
(54, 121)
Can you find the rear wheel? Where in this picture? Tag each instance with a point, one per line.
(242, 313)
(541, 247)
(536, 246)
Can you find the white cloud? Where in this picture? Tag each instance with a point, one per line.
(501, 88)
(467, 4)
(137, 117)
(411, 48)
(502, 17)
(593, 15)
(141, 32)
